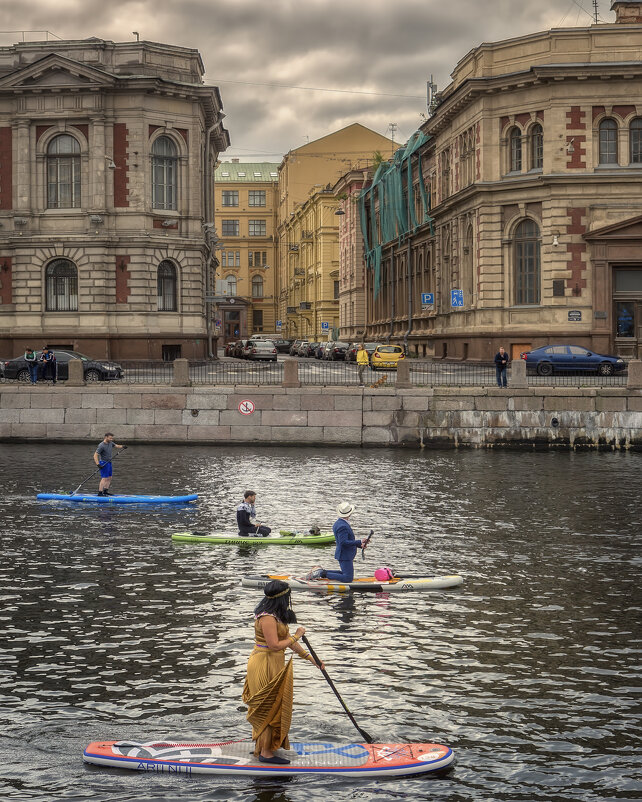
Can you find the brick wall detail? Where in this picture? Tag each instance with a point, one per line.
(598, 111)
(6, 280)
(122, 279)
(623, 111)
(40, 130)
(6, 168)
(159, 224)
(121, 173)
(575, 117)
(576, 250)
(84, 130)
(523, 119)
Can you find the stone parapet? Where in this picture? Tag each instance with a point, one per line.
(414, 417)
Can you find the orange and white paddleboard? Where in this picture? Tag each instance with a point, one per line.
(237, 757)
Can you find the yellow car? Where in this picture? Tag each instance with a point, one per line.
(386, 356)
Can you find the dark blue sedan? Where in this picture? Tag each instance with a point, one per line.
(551, 359)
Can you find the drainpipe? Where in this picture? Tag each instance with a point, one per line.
(409, 329)
(392, 296)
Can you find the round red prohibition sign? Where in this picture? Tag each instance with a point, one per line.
(246, 407)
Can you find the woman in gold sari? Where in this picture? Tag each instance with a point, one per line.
(268, 690)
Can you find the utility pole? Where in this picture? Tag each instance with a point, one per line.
(596, 11)
(392, 127)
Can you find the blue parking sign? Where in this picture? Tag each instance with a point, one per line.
(456, 297)
(427, 298)
(279, 324)
(325, 326)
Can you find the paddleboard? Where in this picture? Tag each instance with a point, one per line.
(94, 499)
(237, 757)
(284, 538)
(409, 582)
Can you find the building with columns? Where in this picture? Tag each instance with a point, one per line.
(107, 153)
(532, 163)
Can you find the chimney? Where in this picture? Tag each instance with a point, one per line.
(627, 12)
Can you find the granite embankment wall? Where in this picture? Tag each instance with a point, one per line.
(415, 417)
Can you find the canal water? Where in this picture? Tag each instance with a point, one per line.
(528, 670)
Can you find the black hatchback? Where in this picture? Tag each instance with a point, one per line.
(94, 370)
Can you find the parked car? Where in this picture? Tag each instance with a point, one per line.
(351, 353)
(283, 346)
(326, 350)
(551, 359)
(229, 348)
(94, 370)
(386, 356)
(310, 349)
(261, 349)
(295, 347)
(239, 348)
(302, 348)
(336, 351)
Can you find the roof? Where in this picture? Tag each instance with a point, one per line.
(248, 172)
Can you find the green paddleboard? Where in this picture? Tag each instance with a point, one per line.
(284, 538)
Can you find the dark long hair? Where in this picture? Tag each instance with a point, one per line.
(280, 606)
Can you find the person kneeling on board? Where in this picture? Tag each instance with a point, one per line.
(102, 458)
(346, 549)
(268, 689)
(246, 517)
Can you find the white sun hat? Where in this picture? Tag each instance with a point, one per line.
(345, 509)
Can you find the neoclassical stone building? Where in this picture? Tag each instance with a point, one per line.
(106, 189)
(532, 164)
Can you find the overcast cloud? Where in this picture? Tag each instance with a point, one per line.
(384, 46)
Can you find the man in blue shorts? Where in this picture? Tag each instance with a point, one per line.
(102, 458)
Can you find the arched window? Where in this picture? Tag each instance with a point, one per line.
(527, 263)
(257, 286)
(635, 139)
(166, 284)
(608, 142)
(231, 285)
(164, 173)
(61, 286)
(537, 147)
(515, 150)
(63, 173)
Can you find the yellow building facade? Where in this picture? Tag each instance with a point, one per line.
(245, 218)
(308, 229)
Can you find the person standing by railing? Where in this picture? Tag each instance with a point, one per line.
(48, 360)
(363, 360)
(32, 363)
(501, 363)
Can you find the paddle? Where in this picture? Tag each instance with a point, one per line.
(363, 548)
(368, 738)
(96, 471)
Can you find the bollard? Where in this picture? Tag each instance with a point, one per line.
(403, 374)
(291, 373)
(181, 373)
(634, 381)
(76, 373)
(518, 374)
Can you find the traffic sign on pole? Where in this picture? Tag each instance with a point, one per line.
(456, 298)
(325, 326)
(427, 299)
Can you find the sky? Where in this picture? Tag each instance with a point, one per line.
(378, 53)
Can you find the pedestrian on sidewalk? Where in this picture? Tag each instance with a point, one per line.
(363, 361)
(501, 363)
(32, 363)
(48, 360)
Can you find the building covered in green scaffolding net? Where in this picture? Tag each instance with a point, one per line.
(512, 217)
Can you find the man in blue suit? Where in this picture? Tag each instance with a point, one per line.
(346, 549)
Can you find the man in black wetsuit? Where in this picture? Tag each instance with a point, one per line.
(245, 513)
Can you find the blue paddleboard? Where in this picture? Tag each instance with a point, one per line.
(94, 499)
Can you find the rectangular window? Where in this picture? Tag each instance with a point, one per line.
(336, 290)
(256, 197)
(223, 258)
(237, 259)
(257, 258)
(527, 257)
(257, 228)
(230, 197)
(257, 320)
(230, 228)
(628, 281)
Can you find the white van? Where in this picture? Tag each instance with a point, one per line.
(272, 337)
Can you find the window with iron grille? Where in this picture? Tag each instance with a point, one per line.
(61, 286)
(166, 287)
(230, 197)
(63, 173)
(164, 173)
(230, 228)
(527, 263)
(257, 228)
(256, 197)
